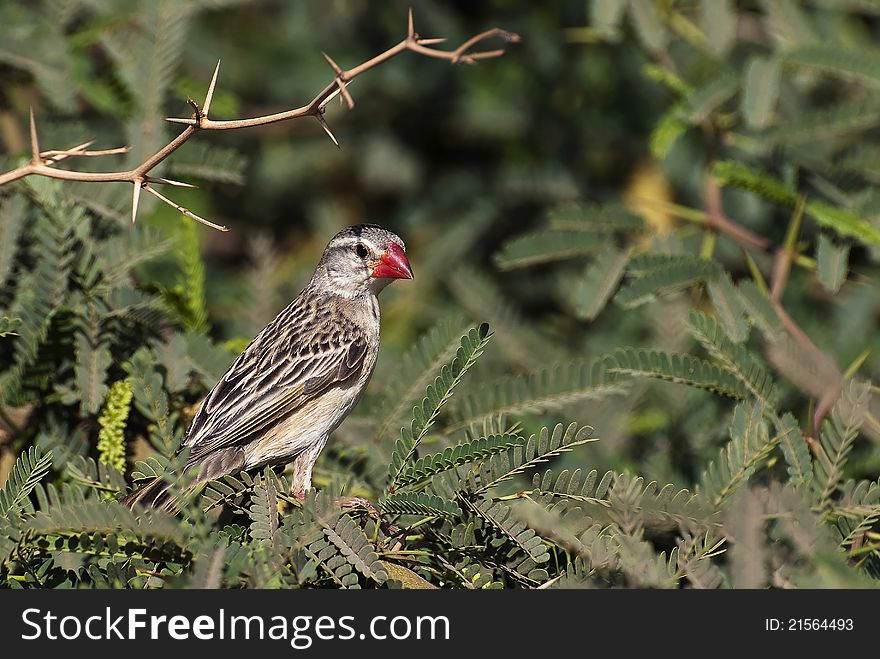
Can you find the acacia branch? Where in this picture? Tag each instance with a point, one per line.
(42, 163)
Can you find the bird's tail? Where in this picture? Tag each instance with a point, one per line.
(154, 494)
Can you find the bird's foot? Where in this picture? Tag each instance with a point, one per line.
(364, 504)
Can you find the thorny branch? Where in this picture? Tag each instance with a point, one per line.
(42, 162)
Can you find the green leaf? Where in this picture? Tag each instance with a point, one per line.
(674, 367)
(837, 122)
(593, 218)
(729, 308)
(861, 65)
(706, 100)
(416, 369)
(546, 388)
(538, 449)
(356, 548)
(750, 443)
(718, 22)
(735, 358)
(419, 503)
(761, 91)
(12, 215)
(672, 273)
(547, 246)
(836, 438)
(92, 361)
(429, 466)
(794, 448)
(667, 130)
(498, 515)
(263, 511)
(759, 307)
(568, 485)
(606, 17)
(599, 282)
(436, 396)
(831, 260)
(738, 175)
(28, 470)
(844, 222)
(648, 24)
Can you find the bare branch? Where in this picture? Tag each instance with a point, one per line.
(340, 80)
(41, 164)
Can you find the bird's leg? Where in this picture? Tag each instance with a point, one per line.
(302, 471)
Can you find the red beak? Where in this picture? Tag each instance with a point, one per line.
(393, 264)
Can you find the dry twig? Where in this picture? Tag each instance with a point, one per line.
(42, 163)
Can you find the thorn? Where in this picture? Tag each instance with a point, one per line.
(329, 98)
(135, 199)
(432, 42)
(185, 211)
(188, 122)
(326, 128)
(35, 144)
(332, 64)
(343, 89)
(168, 181)
(210, 95)
(340, 80)
(410, 27)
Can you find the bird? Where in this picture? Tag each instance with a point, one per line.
(301, 375)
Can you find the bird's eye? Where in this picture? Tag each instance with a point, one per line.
(361, 250)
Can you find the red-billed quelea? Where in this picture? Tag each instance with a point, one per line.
(301, 375)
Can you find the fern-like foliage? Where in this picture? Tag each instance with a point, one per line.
(537, 449)
(354, 545)
(794, 448)
(498, 515)
(663, 276)
(831, 262)
(729, 308)
(436, 396)
(429, 466)
(29, 469)
(75, 517)
(750, 442)
(599, 282)
(263, 510)
(547, 246)
(679, 368)
(836, 441)
(547, 388)
(844, 222)
(419, 503)
(735, 358)
(416, 370)
(593, 219)
(574, 485)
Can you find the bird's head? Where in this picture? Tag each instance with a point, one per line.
(361, 258)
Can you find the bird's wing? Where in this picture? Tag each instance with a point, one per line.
(295, 358)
